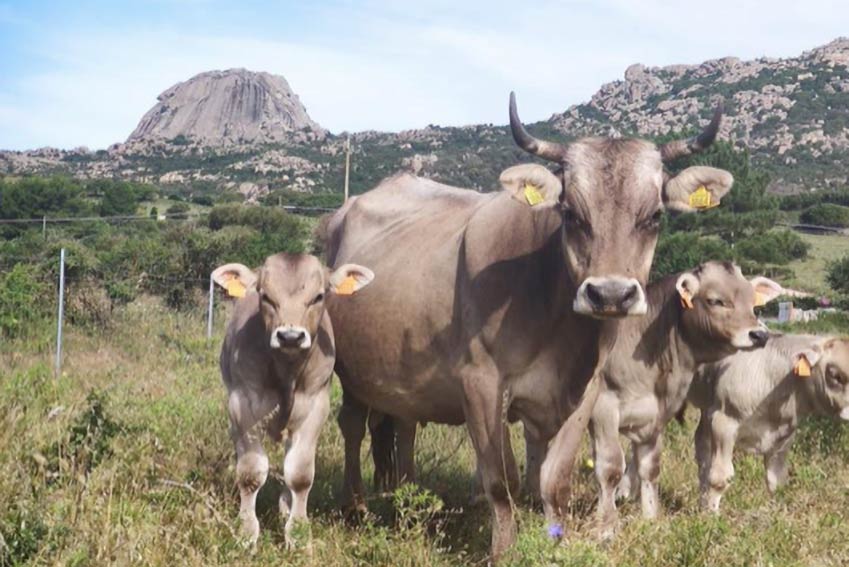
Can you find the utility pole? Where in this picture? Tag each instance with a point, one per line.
(347, 166)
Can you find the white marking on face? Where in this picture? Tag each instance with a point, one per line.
(304, 343)
(636, 305)
(742, 339)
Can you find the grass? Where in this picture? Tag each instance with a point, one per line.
(810, 273)
(126, 460)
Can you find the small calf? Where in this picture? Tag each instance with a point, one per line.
(276, 362)
(696, 317)
(756, 400)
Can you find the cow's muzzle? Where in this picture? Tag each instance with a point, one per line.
(290, 337)
(612, 297)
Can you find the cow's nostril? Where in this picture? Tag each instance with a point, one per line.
(759, 337)
(630, 295)
(594, 295)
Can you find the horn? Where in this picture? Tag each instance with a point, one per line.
(546, 150)
(680, 148)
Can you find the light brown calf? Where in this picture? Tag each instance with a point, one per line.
(276, 362)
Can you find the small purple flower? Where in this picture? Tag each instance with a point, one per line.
(555, 531)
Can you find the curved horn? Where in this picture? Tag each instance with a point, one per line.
(680, 148)
(546, 150)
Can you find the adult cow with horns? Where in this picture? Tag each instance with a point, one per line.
(504, 303)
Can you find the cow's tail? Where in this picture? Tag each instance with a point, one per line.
(383, 453)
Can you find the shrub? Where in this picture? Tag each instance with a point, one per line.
(178, 210)
(775, 247)
(826, 214)
(23, 300)
(682, 251)
(838, 275)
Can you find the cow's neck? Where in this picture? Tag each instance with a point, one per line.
(292, 365)
(662, 341)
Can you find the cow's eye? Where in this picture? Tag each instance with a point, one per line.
(715, 302)
(573, 221)
(265, 299)
(652, 222)
(835, 378)
(317, 299)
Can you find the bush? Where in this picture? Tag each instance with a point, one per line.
(838, 275)
(776, 247)
(683, 250)
(23, 300)
(826, 214)
(178, 210)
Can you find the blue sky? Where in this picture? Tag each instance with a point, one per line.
(84, 72)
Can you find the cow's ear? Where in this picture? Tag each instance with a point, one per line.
(696, 188)
(348, 279)
(765, 290)
(235, 278)
(532, 184)
(687, 286)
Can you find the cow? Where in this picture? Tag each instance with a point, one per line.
(755, 400)
(276, 363)
(697, 317)
(486, 302)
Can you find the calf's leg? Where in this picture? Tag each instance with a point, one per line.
(647, 461)
(299, 463)
(704, 450)
(406, 450)
(609, 458)
(535, 451)
(775, 463)
(724, 434)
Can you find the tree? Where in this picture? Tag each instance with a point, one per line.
(838, 275)
(119, 198)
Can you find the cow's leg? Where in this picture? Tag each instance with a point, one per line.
(629, 486)
(299, 463)
(535, 450)
(383, 451)
(556, 473)
(724, 434)
(647, 462)
(482, 405)
(704, 450)
(352, 421)
(251, 460)
(609, 459)
(406, 450)
(775, 463)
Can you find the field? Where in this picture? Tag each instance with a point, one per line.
(126, 460)
(810, 272)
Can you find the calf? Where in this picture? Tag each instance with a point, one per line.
(696, 317)
(756, 400)
(276, 362)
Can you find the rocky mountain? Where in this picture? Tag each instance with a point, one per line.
(220, 108)
(792, 114)
(247, 133)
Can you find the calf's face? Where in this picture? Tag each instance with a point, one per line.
(829, 363)
(291, 289)
(718, 309)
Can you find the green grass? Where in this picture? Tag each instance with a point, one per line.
(126, 460)
(810, 273)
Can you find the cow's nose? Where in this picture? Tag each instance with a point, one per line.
(290, 337)
(613, 297)
(759, 337)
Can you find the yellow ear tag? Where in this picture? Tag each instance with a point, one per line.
(532, 195)
(346, 287)
(700, 198)
(235, 288)
(686, 300)
(759, 299)
(802, 369)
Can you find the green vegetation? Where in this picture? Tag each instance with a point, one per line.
(838, 275)
(826, 214)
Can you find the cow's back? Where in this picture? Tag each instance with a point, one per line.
(401, 328)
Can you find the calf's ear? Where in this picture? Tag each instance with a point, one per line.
(765, 290)
(687, 286)
(696, 188)
(235, 278)
(348, 279)
(805, 359)
(532, 184)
